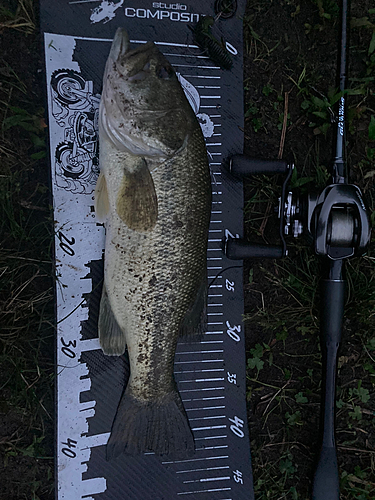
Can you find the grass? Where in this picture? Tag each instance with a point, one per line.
(26, 286)
(282, 311)
(290, 50)
(21, 19)
(284, 373)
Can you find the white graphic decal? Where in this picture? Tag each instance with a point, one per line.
(105, 11)
(192, 95)
(75, 109)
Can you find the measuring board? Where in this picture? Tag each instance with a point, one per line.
(210, 372)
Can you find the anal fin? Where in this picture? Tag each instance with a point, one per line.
(111, 337)
(195, 320)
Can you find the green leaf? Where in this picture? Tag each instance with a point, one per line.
(255, 363)
(39, 155)
(251, 276)
(4, 12)
(300, 398)
(286, 466)
(303, 329)
(361, 91)
(334, 96)
(321, 114)
(267, 90)
(257, 351)
(294, 418)
(359, 472)
(319, 103)
(30, 127)
(302, 181)
(283, 335)
(257, 124)
(16, 120)
(362, 393)
(270, 359)
(252, 110)
(371, 129)
(356, 414)
(371, 47)
(324, 128)
(358, 22)
(293, 492)
(369, 367)
(19, 111)
(38, 142)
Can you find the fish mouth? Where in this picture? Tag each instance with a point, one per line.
(120, 44)
(120, 49)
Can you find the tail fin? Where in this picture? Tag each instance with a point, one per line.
(159, 426)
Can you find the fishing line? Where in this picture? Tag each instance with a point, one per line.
(221, 272)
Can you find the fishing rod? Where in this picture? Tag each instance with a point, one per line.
(337, 222)
(326, 482)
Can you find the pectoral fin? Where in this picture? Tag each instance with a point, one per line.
(101, 198)
(136, 202)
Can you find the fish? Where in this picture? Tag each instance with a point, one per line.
(154, 195)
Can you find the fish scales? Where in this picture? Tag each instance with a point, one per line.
(161, 271)
(156, 192)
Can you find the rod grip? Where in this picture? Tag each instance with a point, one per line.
(242, 166)
(332, 310)
(238, 249)
(326, 485)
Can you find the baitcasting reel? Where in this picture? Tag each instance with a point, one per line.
(335, 220)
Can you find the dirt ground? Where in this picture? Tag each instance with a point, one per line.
(291, 65)
(289, 68)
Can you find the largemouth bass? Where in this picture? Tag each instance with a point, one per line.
(154, 193)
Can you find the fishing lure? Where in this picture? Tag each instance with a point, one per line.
(209, 44)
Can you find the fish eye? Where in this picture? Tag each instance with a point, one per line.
(165, 72)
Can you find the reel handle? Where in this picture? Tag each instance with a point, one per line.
(238, 249)
(243, 166)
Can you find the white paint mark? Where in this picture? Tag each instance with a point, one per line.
(208, 479)
(203, 470)
(196, 460)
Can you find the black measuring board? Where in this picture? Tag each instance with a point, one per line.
(210, 371)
